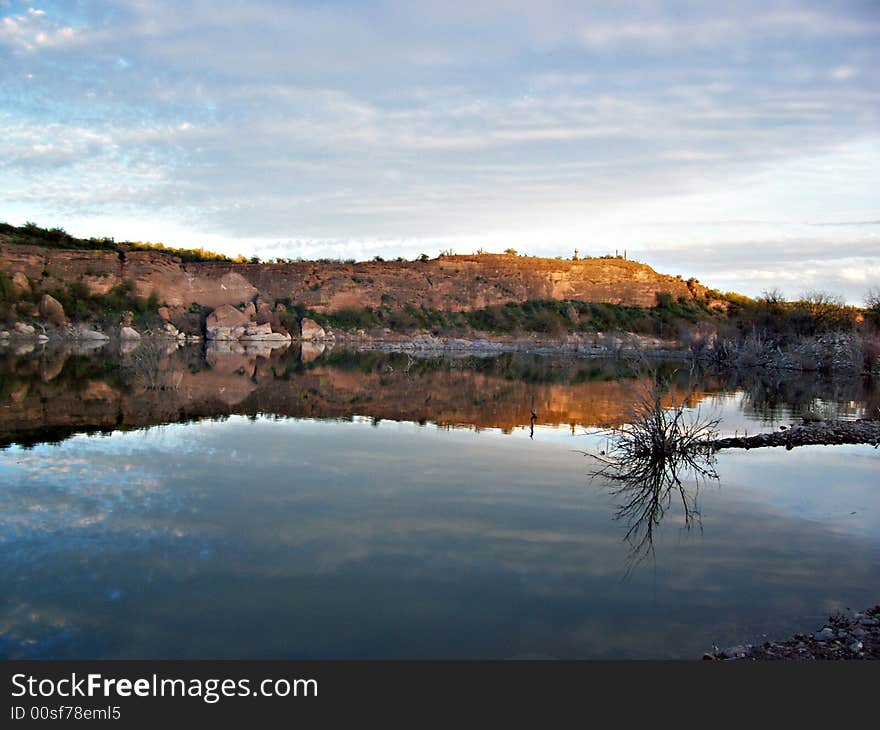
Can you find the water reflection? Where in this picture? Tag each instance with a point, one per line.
(301, 538)
(294, 507)
(60, 392)
(659, 456)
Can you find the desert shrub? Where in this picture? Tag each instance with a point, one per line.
(8, 295)
(664, 299)
(353, 318)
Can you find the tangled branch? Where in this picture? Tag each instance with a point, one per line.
(657, 459)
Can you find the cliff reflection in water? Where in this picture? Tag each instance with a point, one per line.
(45, 396)
(48, 396)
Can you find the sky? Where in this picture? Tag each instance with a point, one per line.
(735, 142)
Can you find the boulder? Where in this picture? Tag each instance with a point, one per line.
(82, 333)
(311, 330)
(224, 333)
(23, 329)
(128, 334)
(250, 311)
(170, 330)
(273, 338)
(226, 323)
(226, 316)
(263, 333)
(164, 313)
(21, 283)
(51, 310)
(255, 330)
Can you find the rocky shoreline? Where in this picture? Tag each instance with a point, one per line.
(599, 345)
(228, 324)
(845, 636)
(818, 433)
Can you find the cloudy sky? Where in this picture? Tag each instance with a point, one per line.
(738, 142)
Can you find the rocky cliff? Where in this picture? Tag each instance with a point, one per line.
(448, 282)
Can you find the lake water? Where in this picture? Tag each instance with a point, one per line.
(363, 505)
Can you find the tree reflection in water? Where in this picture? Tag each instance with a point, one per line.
(657, 460)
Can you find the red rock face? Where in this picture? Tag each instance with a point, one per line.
(451, 282)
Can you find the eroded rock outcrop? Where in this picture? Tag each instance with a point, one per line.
(448, 282)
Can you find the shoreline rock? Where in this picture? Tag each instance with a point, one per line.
(845, 636)
(435, 346)
(821, 433)
(83, 333)
(311, 331)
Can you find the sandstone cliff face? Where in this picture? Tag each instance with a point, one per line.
(451, 282)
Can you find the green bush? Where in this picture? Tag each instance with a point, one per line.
(8, 294)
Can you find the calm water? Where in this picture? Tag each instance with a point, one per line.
(344, 505)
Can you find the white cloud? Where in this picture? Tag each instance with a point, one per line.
(843, 73)
(34, 29)
(406, 127)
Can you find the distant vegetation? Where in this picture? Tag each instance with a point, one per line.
(34, 235)
(818, 331)
(79, 304)
(548, 317)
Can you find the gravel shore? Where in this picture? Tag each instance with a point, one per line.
(845, 636)
(863, 431)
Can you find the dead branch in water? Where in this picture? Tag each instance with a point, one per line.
(656, 433)
(648, 460)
